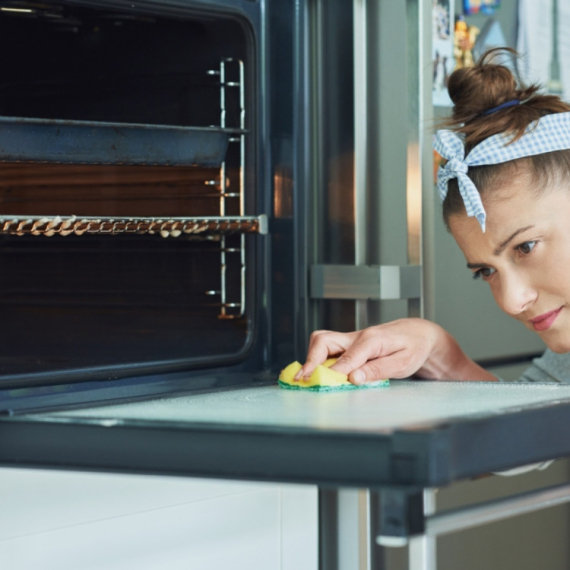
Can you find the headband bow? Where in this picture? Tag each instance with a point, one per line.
(450, 147)
(548, 134)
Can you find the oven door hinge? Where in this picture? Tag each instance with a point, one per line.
(375, 282)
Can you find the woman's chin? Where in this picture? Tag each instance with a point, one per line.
(558, 345)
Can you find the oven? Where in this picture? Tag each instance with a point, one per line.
(186, 191)
(136, 192)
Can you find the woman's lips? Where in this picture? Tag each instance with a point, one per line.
(543, 322)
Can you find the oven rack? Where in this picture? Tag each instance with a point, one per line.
(166, 227)
(92, 142)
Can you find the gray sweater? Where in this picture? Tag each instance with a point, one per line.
(550, 367)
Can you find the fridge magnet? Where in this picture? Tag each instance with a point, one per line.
(480, 6)
(491, 36)
(442, 51)
(463, 43)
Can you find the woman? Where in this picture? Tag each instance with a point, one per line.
(506, 201)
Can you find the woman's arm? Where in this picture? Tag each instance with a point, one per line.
(399, 349)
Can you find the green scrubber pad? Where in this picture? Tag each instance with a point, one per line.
(340, 388)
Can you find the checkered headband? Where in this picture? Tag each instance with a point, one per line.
(550, 133)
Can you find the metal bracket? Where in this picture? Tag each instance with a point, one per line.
(376, 282)
(401, 515)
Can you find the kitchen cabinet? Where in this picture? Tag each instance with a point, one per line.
(66, 520)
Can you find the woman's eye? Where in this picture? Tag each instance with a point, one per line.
(484, 272)
(526, 247)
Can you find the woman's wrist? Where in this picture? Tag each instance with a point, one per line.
(447, 361)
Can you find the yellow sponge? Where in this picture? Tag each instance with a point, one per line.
(323, 379)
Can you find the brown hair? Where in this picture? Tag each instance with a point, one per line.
(486, 85)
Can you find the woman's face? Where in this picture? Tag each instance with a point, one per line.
(524, 256)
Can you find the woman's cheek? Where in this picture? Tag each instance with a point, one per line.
(497, 292)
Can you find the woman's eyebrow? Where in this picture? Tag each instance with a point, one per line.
(504, 244)
(501, 247)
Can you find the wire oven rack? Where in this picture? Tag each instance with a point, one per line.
(166, 227)
(90, 142)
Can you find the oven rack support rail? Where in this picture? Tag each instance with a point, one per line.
(166, 227)
(232, 308)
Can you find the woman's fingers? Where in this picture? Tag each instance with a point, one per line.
(392, 350)
(364, 347)
(355, 349)
(396, 365)
(322, 345)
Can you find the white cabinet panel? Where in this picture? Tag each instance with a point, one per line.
(40, 500)
(300, 528)
(84, 521)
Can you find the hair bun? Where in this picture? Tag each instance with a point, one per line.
(476, 89)
(488, 85)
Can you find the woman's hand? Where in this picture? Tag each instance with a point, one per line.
(398, 349)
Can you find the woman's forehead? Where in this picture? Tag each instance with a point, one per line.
(513, 178)
(522, 178)
(512, 207)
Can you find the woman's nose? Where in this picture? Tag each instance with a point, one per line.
(516, 295)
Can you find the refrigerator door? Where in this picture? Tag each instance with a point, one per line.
(367, 103)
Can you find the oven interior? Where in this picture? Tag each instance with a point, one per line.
(126, 178)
